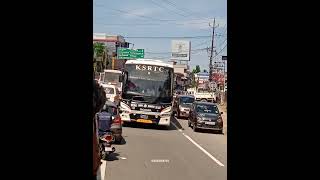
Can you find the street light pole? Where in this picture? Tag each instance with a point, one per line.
(211, 54)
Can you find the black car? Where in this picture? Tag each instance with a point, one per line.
(205, 115)
(182, 105)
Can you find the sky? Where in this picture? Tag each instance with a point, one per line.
(165, 18)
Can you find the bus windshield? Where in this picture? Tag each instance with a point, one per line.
(153, 85)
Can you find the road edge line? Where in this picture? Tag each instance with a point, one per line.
(203, 150)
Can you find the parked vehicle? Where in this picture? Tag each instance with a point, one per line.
(204, 115)
(182, 105)
(112, 93)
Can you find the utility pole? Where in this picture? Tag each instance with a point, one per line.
(211, 54)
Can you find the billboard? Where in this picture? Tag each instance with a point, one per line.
(103, 37)
(99, 36)
(224, 58)
(111, 47)
(180, 50)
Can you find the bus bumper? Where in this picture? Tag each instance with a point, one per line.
(163, 120)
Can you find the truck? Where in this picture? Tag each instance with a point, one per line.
(111, 77)
(147, 92)
(201, 95)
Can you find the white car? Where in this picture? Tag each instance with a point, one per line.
(112, 93)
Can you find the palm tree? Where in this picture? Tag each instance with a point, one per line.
(100, 56)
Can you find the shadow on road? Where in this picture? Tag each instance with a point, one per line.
(177, 123)
(209, 131)
(112, 157)
(123, 141)
(154, 126)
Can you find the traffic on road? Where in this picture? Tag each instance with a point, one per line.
(160, 83)
(150, 130)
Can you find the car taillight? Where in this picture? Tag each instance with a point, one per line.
(219, 120)
(108, 137)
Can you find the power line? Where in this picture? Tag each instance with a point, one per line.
(185, 10)
(150, 24)
(220, 50)
(223, 42)
(148, 17)
(174, 6)
(169, 10)
(193, 50)
(138, 15)
(201, 43)
(168, 37)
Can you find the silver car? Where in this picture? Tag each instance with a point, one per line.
(182, 105)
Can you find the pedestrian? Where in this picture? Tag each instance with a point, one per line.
(99, 99)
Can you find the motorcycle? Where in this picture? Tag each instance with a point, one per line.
(105, 145)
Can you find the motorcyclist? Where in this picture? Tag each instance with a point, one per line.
(104, 120)
(99, 99)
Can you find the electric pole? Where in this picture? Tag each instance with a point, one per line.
(211, 54)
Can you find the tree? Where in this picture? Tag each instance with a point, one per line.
(198, 69)
(194, 71)
(98, 49)
(100, 57)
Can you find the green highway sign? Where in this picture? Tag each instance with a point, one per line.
(125, 53)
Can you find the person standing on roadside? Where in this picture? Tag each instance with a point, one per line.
(99, 99)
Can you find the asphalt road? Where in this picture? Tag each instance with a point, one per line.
(151, 153)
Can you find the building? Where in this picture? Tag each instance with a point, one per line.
(182, 75)
(202, 80)
(112, 42)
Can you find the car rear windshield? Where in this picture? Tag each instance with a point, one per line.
(109, 90)
(186, 100)
(204, 108)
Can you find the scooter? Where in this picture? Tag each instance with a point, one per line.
(105, 145)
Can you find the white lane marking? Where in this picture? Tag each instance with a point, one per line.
(160, 160)
(103, 169)
(203, 150)
(122, 157)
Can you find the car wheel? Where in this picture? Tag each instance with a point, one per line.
(220, 131)
(189, 124)
(194, 127)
